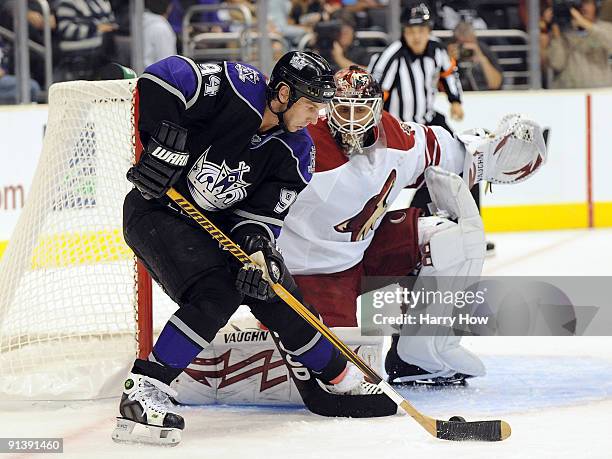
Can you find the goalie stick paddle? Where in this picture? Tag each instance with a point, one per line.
(446, 430)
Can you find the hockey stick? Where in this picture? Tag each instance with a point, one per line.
(324, 403)
(445, 430)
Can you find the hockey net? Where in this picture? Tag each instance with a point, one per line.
(73, 314)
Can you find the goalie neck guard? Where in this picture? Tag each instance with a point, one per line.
(355, 110)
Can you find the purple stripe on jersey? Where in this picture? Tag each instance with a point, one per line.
(275, 230)
(318, 356)
(174, 349)
(302, 146)
(176, 72)
(249, 83)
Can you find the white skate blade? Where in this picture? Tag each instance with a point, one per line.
(133, 432)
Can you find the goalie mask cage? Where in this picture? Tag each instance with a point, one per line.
(75, 310)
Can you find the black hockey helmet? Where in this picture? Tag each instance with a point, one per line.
(416, 15)
(307, 74)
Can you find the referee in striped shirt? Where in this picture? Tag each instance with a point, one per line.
(410, 70)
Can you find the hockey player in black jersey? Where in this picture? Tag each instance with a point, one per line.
(237, 148)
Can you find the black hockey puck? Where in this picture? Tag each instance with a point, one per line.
(457, 419)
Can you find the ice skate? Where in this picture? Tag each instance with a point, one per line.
(406, 374)
(147, 413)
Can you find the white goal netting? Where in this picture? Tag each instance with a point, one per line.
(67, 279)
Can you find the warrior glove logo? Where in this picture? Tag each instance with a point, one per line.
(217, 187)
(171, 157)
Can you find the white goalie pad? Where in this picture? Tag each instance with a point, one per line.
(451, 198)
(244, 367)
(511, 154)
(451, 252)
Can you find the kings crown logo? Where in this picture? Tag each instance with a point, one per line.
(298, 62)
(217, 187)
(247, 74)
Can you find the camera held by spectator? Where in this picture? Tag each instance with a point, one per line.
(578, 54)
(478, 66)
(562, 14)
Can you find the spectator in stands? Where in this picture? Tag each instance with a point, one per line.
(356, 6)
(308, 12)
(545, 13)
(478, 67)
(36, 26)
(9, 83)
(121, 10)
(451, 13)
(85, 29)
(544, 24)
(341, 49)
(176, 16)
(579, 53)
(159, 38)
(605, 13)
(281, 22)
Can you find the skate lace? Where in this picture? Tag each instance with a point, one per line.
(157, 398)
(366, 388)
(157, 395)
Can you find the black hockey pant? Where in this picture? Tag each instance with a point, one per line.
(199, 276)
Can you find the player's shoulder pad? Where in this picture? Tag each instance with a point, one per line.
(301, 147)
(400, 136)
(248, 83)
(178, 75)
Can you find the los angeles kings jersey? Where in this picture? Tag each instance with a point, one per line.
(334, 219)
(233, 170)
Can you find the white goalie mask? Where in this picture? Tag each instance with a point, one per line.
(355, 110)
(511, 154)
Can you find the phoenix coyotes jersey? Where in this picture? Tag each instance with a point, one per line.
(233, 170)
(333, 220)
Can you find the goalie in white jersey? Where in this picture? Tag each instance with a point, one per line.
(339, 229)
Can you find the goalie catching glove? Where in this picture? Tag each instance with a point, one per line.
(255, 279)
(511, 154)
(162, 161)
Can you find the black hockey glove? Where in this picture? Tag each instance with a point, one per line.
(162, 161)
(251, 280)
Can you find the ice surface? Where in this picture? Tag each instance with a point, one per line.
(555, 392)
